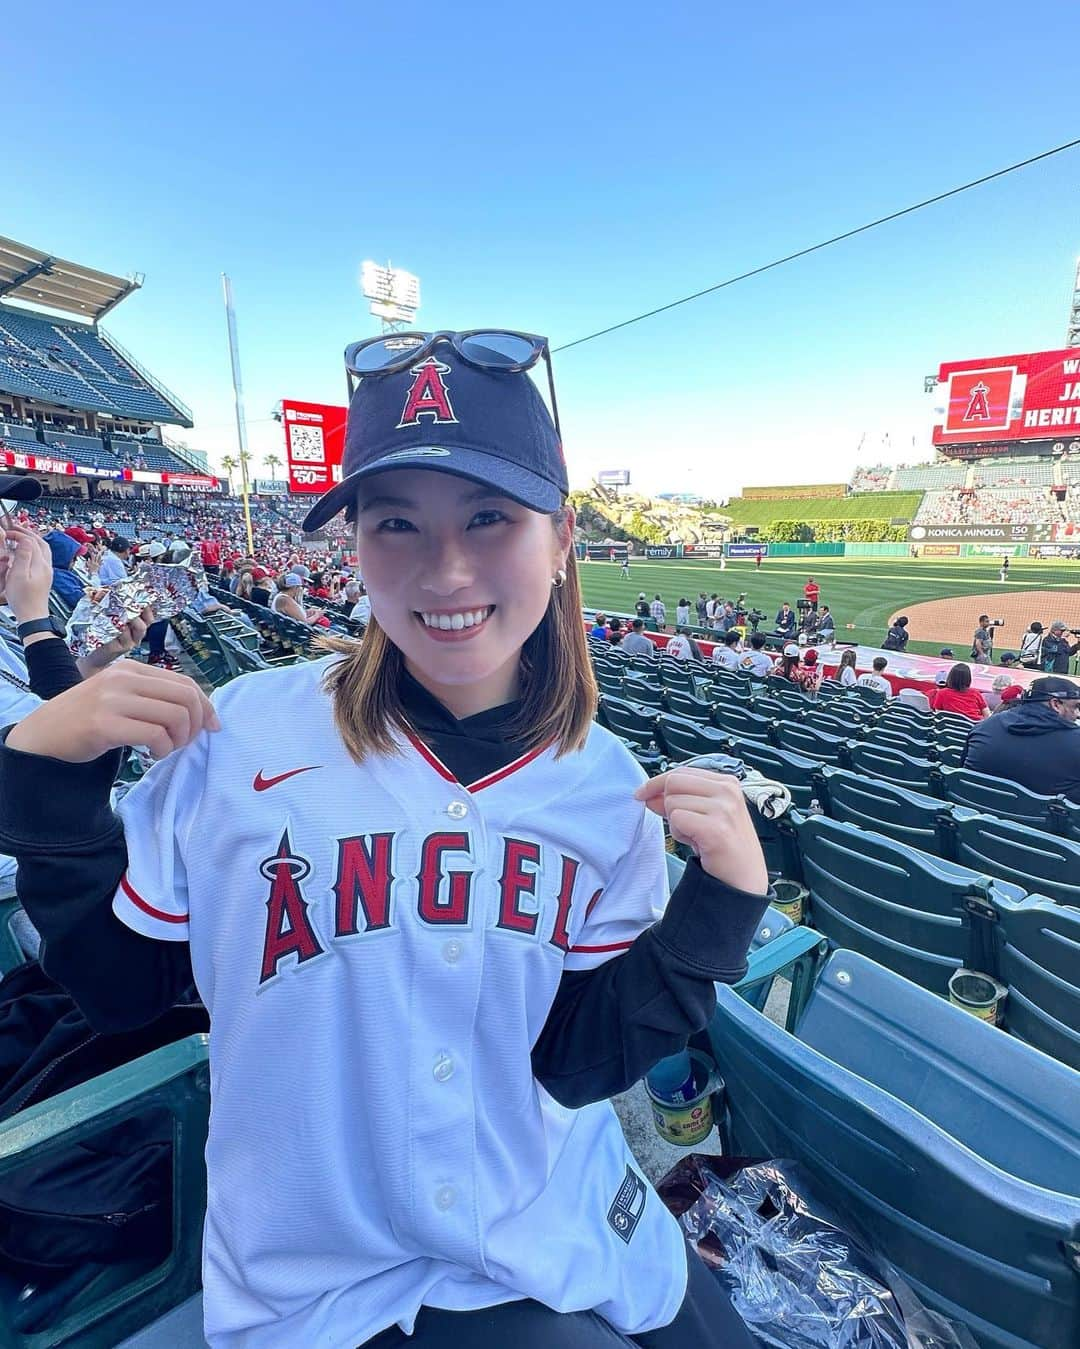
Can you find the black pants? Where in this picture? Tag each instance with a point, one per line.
(155, 636)
(706, 1320)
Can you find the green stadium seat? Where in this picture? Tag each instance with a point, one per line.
(686, 705)
(795, 771)
(1037, 950)
(610, 683)
(1067, 819)
(902, 908)
(643, 691)
(829, 689)
(907, 817)
(871, 698)
(801, 739)
(684, 739)
(630, 721)
(730, 692)
(997, 796)
(675, 675)
(887, 738)
(1040, 863)
(118, 1301)
(955, 1148)
(741, 723)
(893, 765)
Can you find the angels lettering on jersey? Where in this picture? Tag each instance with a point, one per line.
(368, 886)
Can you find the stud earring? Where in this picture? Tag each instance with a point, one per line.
(559, 579)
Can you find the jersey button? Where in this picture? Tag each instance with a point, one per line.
(457, 810)
(443, 1070)
(445, 1196)
(451, 952)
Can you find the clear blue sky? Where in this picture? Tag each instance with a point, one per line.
(556, 169)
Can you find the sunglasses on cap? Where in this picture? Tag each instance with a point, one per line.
(496, 350)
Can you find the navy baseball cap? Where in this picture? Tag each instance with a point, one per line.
(443, 414)
(14, 487)
(1052, 686)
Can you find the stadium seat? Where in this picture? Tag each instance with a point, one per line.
(1040, 863)
(115, 1301)
(887, 738)
(1068, 820)
(998, 796)
(629, 720)
(643, 691)
(610, 683)
(871, 698)
(775, 709)
(1037, 957)
(893, 765)
(801, 739)
(684, 739)
(794, 699)
(795, 771)
(675, 675)
(684, 704)
(731, 692)
(832, 723)
(830, 688)
(871, 803)
(954, 1147)
(739, 722)
(900, 907)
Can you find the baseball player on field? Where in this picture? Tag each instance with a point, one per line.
(424, 903)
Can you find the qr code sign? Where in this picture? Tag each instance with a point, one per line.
(306, 445)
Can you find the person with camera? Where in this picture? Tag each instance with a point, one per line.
(1056, 648)
(982, 642)
(1035, 743)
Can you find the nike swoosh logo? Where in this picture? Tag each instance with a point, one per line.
(261, 784)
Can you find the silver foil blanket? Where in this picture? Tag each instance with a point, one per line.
(103, 612)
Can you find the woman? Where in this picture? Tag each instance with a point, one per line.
(807, 675)
(260, 591)
(682, 613)
(896, 639)
(290, 590)
(245, 585)
(616, 631)
(1031, 647)
(957, 695)
(846, 673)
(410, 917)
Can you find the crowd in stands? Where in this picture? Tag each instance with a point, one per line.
(874, 478)
(971, 505)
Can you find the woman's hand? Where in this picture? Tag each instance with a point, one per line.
(127, 704)
(26, 573)
(127, 640)
(706, 810)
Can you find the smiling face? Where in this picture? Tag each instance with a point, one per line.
(459, 577)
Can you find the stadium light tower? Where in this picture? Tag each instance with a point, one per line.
(1072, 334)
(394, 295)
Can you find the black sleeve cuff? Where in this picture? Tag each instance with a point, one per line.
(48, 802)
(51, 668)
(707, 926)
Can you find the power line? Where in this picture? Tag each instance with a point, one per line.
(825, 243)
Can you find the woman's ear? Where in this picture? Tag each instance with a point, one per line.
(565, 519)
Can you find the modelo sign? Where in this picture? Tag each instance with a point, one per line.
(1009, 398)
(314, 443)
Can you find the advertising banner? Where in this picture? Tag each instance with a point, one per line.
(614, 477)
(271, 487)
(703, 550)
(658, 551)
(190, 482)
(941, 550)
(975, 533)
(1054, 549)
(606, 552)
(746, 549)
(1009, 398)
(314, 442)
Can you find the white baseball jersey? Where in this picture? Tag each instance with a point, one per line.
(379, 948)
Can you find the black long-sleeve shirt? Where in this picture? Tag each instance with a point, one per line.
(606, 1028)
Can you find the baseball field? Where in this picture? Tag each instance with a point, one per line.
(942, 597)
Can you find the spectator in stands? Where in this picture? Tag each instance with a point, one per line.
(64, 551)
(114, 563)
(876, 679)
(958, 696)
(727, 653)
(1056, 649)
(599, 628)
(826, 625)
(896, 639)
(361, 610)
(246, 584)
(785, 620)
(682, 614)
(617, 633)
(659, 614)
(635, 641)
(1010, 699)
(808, 674)
(210, 552)
(755, 661)
(846, 674)
(811, 590)
(1028, 744)
(290, 590)
(260, 591)
(679, 645)
(997, 688)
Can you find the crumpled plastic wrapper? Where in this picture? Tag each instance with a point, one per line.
(794, 1275)
(102, 614)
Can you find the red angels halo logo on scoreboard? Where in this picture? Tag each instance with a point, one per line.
(979, 400)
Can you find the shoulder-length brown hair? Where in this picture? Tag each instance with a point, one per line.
(558, 690)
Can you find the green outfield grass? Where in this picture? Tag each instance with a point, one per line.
(867, 592)
(863, 506)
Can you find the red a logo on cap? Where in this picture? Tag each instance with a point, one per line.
(428, 395)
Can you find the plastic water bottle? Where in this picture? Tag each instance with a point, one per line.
(672, 1079)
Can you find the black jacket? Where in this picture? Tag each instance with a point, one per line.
(1056, 652)
(895, 639)
(1029, 744)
